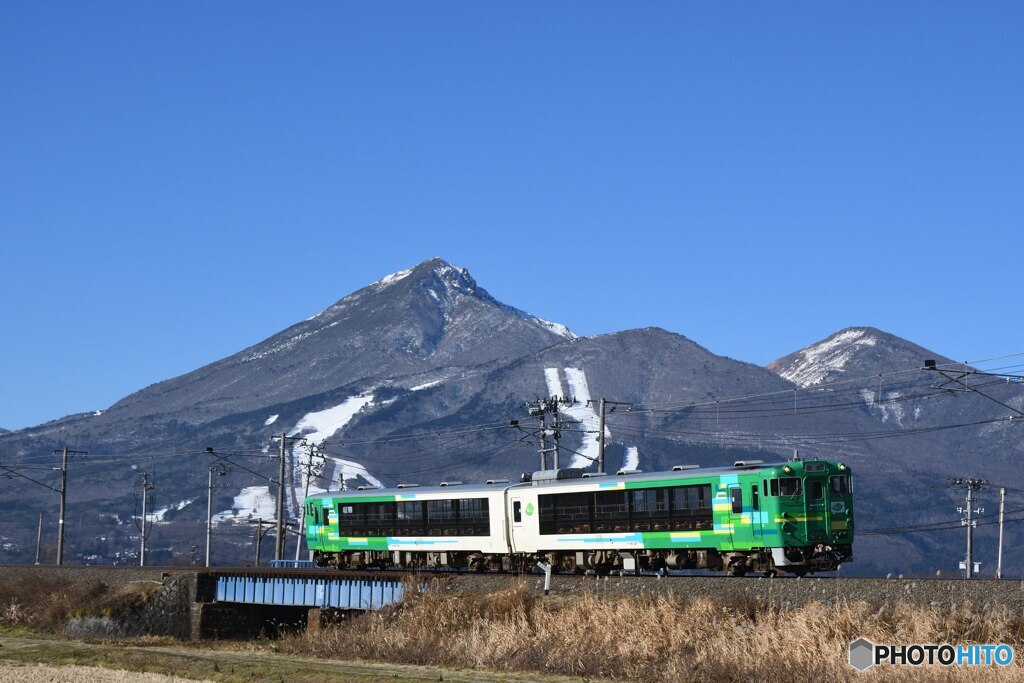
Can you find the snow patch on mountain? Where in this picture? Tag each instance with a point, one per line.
(813, 364)
(393, 278)
(282, 346)
(421, 387)
(558, 328)
(890, 407)
(349, 470)
(271, 420)
(316, 427)
(323, 424)
(581, 411)
(252, 502)
(160, 513)
(554, 381)
(631, 458)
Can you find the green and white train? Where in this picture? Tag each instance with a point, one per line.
(794, 517)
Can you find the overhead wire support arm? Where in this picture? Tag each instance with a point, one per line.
(957, 377)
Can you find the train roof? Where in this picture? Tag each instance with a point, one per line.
(566, 477)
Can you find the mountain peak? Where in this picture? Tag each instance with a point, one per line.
(450, 274)
(850, 352)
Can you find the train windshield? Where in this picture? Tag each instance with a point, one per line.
(789, 486)
(842, 484)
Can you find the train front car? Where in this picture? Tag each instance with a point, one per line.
(794, 517)
(810, 506)
(450, 525)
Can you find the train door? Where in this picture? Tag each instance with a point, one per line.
(516, 532)
(740, 517)
(755, 514)
(816, 498)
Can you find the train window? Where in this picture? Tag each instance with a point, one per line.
(409, 518)
(789, 486)
(565, 513)
(737, 500)
(410, 510)
(326, 516)
(441, 519)
(754, 502)
(650, 501)
(764, 487)
(817, 489)
(517, 511)
(611, 513)
(349, 520)
(691, 497)
(775, 487)
(474, 518)
(649, 509)
(842, 484)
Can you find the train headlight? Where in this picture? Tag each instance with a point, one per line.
(842, 467)
(787, 469)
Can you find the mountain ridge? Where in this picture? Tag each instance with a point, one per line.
(421, 373)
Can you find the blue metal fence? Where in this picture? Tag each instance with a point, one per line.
(364, 594)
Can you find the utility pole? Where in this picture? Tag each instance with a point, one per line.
(971, 484)
(259, 539)
(604, 403)
(999, 557)
(540, 409)
(543, 442)
(147, 486)
(310, 470)
(63, 499)
(220, 469)
(39, 536)
(280, 541)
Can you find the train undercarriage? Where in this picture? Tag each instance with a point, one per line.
(766, 561)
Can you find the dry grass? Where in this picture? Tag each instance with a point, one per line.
(655, 639)
(46, 604)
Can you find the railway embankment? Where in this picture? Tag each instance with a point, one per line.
(781, 592)
(119, 602)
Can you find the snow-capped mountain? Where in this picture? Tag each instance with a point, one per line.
(431, 316)
(418, 376)
(852, 352)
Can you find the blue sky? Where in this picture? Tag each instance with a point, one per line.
(181, 180)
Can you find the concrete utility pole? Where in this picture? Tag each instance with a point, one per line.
(39, 536)
(543, 442)
(999, 557)
(972, 485)
(310, 470)
(63, 499)
(604, 403)
(147, 486)
(220, 470)
(540, 409)
(279, 544)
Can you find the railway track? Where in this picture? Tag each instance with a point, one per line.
(932, 591)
